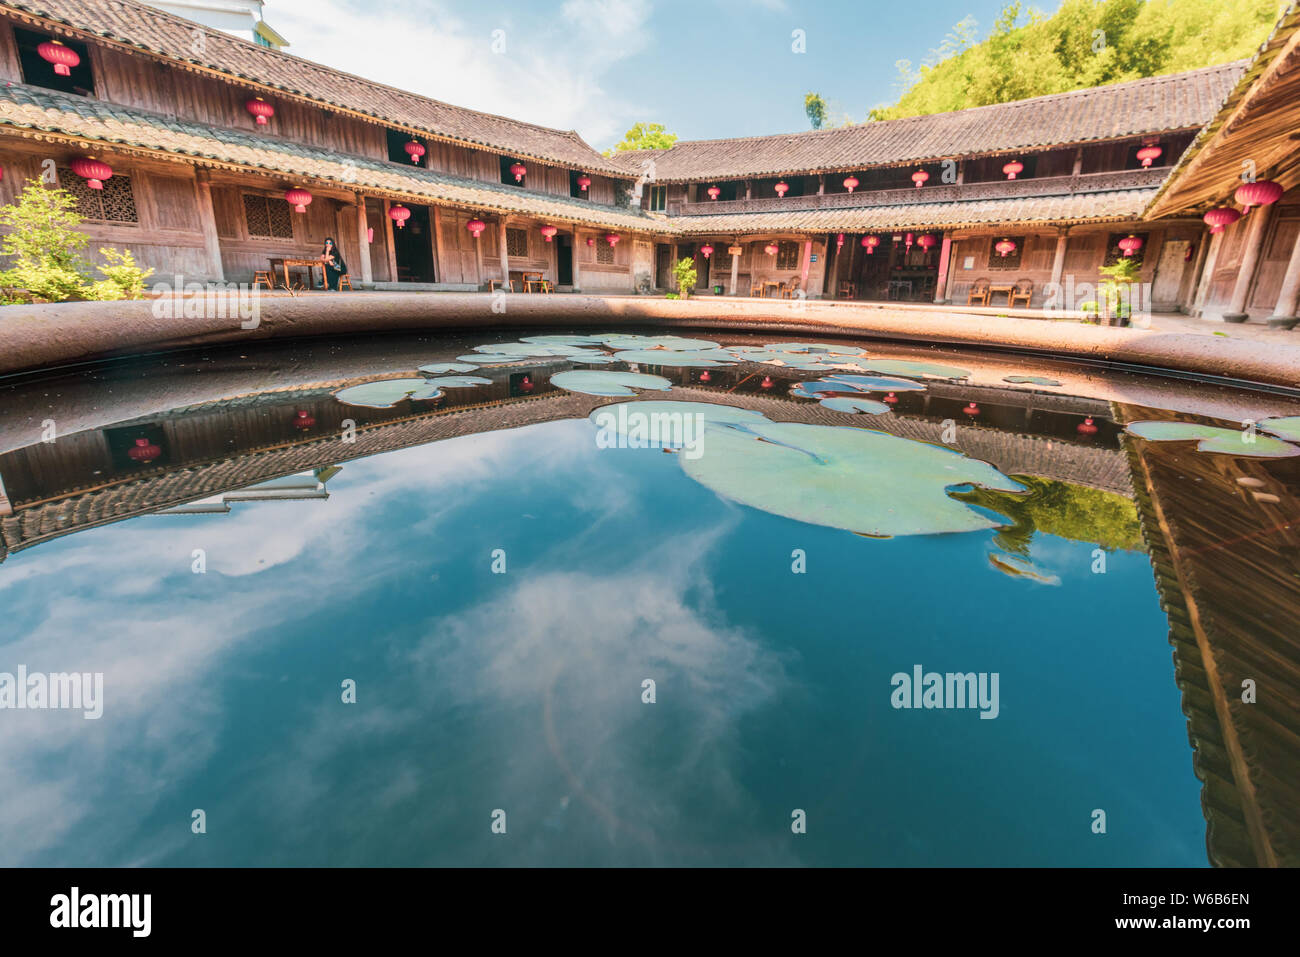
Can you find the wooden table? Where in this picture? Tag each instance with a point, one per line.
(996, 289)
(284, 265)
(773, 285)
(532, 279)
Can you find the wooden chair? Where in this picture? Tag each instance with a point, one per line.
(979, 292)
(755, 290)
(1023, 289)
(790, 290)
(848, 290)
(263, 277)
(345, 281)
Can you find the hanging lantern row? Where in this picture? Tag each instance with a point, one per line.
(583, 182)
(92, 171)
(1130, 244)
(713, 192)
(476, 227)
(1149, 154)
(549, 232)
(62, 58)
(1005, 248)
(298, 198)
(260, 109)
(1012, 168)
(519, 169)
(415, 150)
(399, 214)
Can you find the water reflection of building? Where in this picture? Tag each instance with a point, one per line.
(1224, 537)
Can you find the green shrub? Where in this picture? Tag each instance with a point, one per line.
(684, 273)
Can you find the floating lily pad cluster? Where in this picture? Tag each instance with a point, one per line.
(1212, 438)
(848, 393)
(864, 481)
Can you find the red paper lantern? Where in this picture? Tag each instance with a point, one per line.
(870, 243)
(927, 241)
(782, 188)
(143, 451)
(304, 420)
(519, 169)
(583, 182)
(919, 178)
(1148, 154)
(1219, 217)
(414, 150)
(972, 409)
(851, 183)
(476, 227)
(707, 250)
(713, 192)
(63, 58)
(772, 249)
(298, 198)
(1086, 427)
(260, 109)
(1130, 245)
(839, 241)
(612, 238)
(548, 232)
(92, 171)
(399, 214)
(370, 234)
(1012, 168)
(909, 242)
(1261, 193)
(591, 241)
(1005, 248)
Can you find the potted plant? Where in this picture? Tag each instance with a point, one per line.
(684, 273)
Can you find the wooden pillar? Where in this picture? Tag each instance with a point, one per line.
(577, 245)
(749, 189)
(735, 265)
(947, 292)
(1207, 273)
(1288, 298)
(941, 283)
(503, 251)
(1078, 162)
(363, 242)
(439, 267)
(1058, 260)
(208, 222)
(1255, 229)
(392, 241)
(821, 185)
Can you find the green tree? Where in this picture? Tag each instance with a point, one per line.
(684, 273)
(815, 107)
(644, 136)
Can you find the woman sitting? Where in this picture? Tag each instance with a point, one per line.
(335, 267)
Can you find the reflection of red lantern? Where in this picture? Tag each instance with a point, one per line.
(972, 409)
(707, 250)
(713, 192)
(1012, 168)
(414, 150)
(476, 227)
(851, 183)
(143, 451)
(1086, 427)
(298, 198)
(705, 377)
(767, 382)
(92, 171)
(919, 178)
(399, 214)
(1219, 217)
(1149, 153)
(549, 232)
(526, 384)
(1130, 245)
(583, 182)
(304, 420)
(519, 169)
(891, 398)
(63, 59)
(782, 188)
(1005, 248)
(260, 109)
(870, 243)
(771, 249)
(1260, 193)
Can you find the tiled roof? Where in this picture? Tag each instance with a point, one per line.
(171, 38)
(1078, 207)
(74, 116)
(1179, 101)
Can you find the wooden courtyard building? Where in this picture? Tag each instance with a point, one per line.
(1037, 194)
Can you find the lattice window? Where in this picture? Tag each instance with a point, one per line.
(787, 256)
(268, 217)
(604, 253)
(1012, 259)
(721, 259)
(517, 243)
(115, 203)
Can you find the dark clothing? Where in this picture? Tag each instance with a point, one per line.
(334, 270)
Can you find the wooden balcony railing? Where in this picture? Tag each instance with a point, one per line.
(998, 189)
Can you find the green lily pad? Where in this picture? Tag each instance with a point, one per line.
(1030, 379)
(1210, 438)
(841, 403)
(1285, 428)
(439, 368)
(491, 359)
(620, 415)
(860, 480)
(563, 340)
(386, 393)
(669, 357)
(922, 370)
(868, 383)
(597, 358)
(605, 383)
(459, 381)
(815, 348)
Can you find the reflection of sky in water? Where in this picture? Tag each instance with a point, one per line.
(522, 691)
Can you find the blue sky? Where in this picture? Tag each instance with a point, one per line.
(705, 68)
